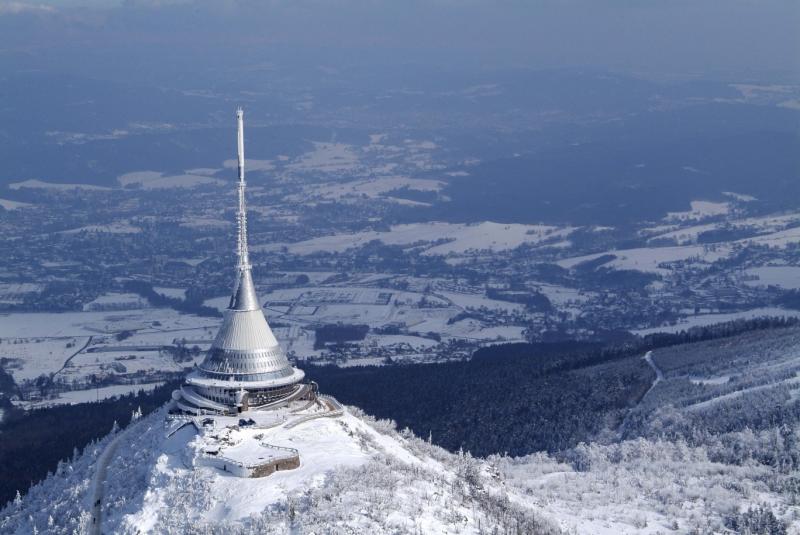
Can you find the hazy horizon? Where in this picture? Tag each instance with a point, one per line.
(707, 39)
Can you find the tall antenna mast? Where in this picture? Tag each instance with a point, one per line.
(241, 245)
(244, 293)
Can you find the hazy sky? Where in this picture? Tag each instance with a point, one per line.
(648, 36)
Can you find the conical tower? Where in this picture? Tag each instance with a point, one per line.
(245, 367)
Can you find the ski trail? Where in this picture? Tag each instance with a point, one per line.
(659, 375)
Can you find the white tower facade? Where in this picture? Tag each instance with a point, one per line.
(245, 369)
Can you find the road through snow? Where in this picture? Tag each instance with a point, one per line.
(98, 481)
(66, 362)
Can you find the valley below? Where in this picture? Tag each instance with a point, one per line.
(549, 301)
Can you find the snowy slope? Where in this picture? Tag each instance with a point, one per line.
(356, 476)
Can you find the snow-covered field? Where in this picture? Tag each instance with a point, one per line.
(689, 235)
(13, 205)
(787, 277)
(15, 292)
(87, 396)
(700, 320)
(154, 180)
(370, 188)
(564, 299)
(305, 307)
(459, 238)
(31, 357)
(700, 209)
(117, 301)
(650, 259)
(67, 324)
(39, 184)
(176, 293)
(328, 158)
(41, 343)
(206, 171)
(780, 239)
(117, 227)
(741, 197)
(393, 340)
(471, 300)
(774, 231)
(49, 343)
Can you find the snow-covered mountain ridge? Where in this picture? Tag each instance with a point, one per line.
(357, 475)
(711, 447)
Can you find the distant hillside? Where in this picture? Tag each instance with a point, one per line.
(523, 398)
(701, 436)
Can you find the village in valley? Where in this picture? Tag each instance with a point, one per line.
(111, 289)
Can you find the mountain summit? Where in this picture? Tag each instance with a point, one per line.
(245, 446)
(356, 475)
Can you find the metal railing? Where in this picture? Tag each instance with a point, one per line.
(336, 411)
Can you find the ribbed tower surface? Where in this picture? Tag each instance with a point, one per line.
(245, 351)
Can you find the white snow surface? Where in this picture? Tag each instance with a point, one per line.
(368, 188)
(155, 180)
(119, 301)
(700, 209)
(70, 324)
(47, 343)
(787, 277)
(34, 183)
(13, 205)
(356, 475)
(176, 293)
(700, 320)
(637, 487)
(117, 227)
(87, 396)
(327, 158)
(28, 358)
(650, 259)
(742, 197)
(456, 238)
